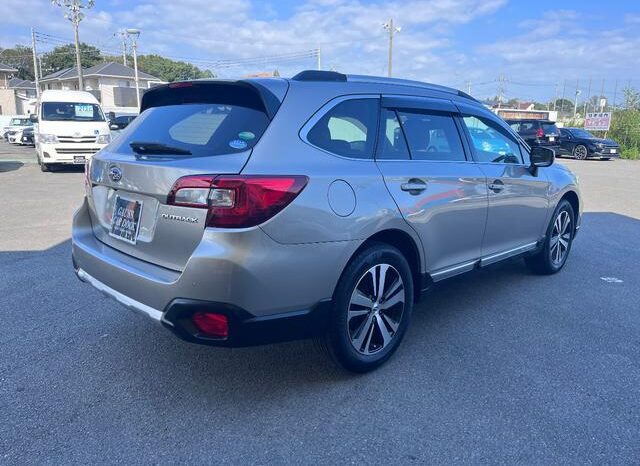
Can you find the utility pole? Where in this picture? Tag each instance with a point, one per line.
(555, 100)
(392, 31)
(615, 94)
(602, 96)
(134, 34)
(75, 15)
(318, 62)
(575, 99)
(501, 90)
(587, 102)
(35, 61)
(468, 85)
(123, 40)
(564, 88)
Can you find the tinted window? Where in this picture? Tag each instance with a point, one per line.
(431, 136)
(348, 129)
(393, 145)
(490, 143)
(550, 128)
(580, 133)
(202, 129)
(69, 111)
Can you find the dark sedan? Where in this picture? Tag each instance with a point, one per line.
(581, 145)
(27, 137)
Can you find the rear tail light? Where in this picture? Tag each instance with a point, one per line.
(539, 134)
(237, 201)
(211, 325)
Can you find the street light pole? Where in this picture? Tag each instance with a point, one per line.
(392, 31)
(75, 15)
(134, 34)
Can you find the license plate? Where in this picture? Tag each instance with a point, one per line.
(78, 159)
(125, 220)
(551, 138)
(613, 151)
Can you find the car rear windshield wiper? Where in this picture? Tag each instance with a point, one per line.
(141, 147)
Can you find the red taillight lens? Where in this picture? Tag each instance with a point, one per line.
(539, 134)
(237, 201)
(211, 325)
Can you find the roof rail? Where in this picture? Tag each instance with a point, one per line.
(318, 75)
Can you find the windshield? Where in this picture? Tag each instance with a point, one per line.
(580, 133)
(196, 130)
(20, 122)
(69, 111)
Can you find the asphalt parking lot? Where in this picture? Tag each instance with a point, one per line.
(499, 366)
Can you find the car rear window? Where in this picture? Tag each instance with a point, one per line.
(550, 128)
(203, 129)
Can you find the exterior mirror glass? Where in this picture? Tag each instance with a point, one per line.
(542, 156)
(33, 118)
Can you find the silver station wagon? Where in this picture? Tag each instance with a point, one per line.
(246, 212)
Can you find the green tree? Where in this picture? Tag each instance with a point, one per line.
(171, 70)
(631, 98)
(21, 58)
(65, 57)
(564, 105)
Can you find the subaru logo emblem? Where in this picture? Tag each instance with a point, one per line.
(115, 174)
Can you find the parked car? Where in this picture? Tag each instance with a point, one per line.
(542, 133)
(70, 128)
(581, 144)
(121, 122)
(15, 124)
(27, 137)
(245, 212)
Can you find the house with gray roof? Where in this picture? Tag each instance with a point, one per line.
(17, 96)
(112, 83)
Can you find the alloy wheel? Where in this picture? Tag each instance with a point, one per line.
(560, 238)
(375, 309)
(581, 152)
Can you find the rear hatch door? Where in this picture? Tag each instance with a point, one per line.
(184, 129)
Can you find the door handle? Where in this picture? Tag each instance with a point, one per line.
(496, 186)
(414, 186)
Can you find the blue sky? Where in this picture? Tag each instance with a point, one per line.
(535, 45)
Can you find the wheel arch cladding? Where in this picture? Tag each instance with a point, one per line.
(404, 243)
(572, 198)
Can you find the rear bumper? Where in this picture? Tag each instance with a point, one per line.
(269, 291)
(245, 329)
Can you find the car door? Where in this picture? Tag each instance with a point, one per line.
(518, 196)
(566, 142)
(439, 192)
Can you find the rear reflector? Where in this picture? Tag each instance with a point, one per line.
(211, 325)
(237, 201)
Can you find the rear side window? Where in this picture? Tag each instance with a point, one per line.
(392, 145)
(431, 136)
(202, 129)
(348, 129)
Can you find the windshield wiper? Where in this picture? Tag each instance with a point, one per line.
(141, 147)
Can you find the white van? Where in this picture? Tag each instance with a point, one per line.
(69, 128)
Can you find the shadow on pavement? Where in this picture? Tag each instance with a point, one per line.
(10, 166)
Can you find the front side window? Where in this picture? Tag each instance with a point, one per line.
(348, 129)
(431, 136)
(70, 111)
(490, 144)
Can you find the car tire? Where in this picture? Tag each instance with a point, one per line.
(44, 167)
(580, 152)
(557, 244)
(367, 325)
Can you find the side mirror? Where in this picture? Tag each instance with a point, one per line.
(33, 118)
(541, 157)
(114, 126)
